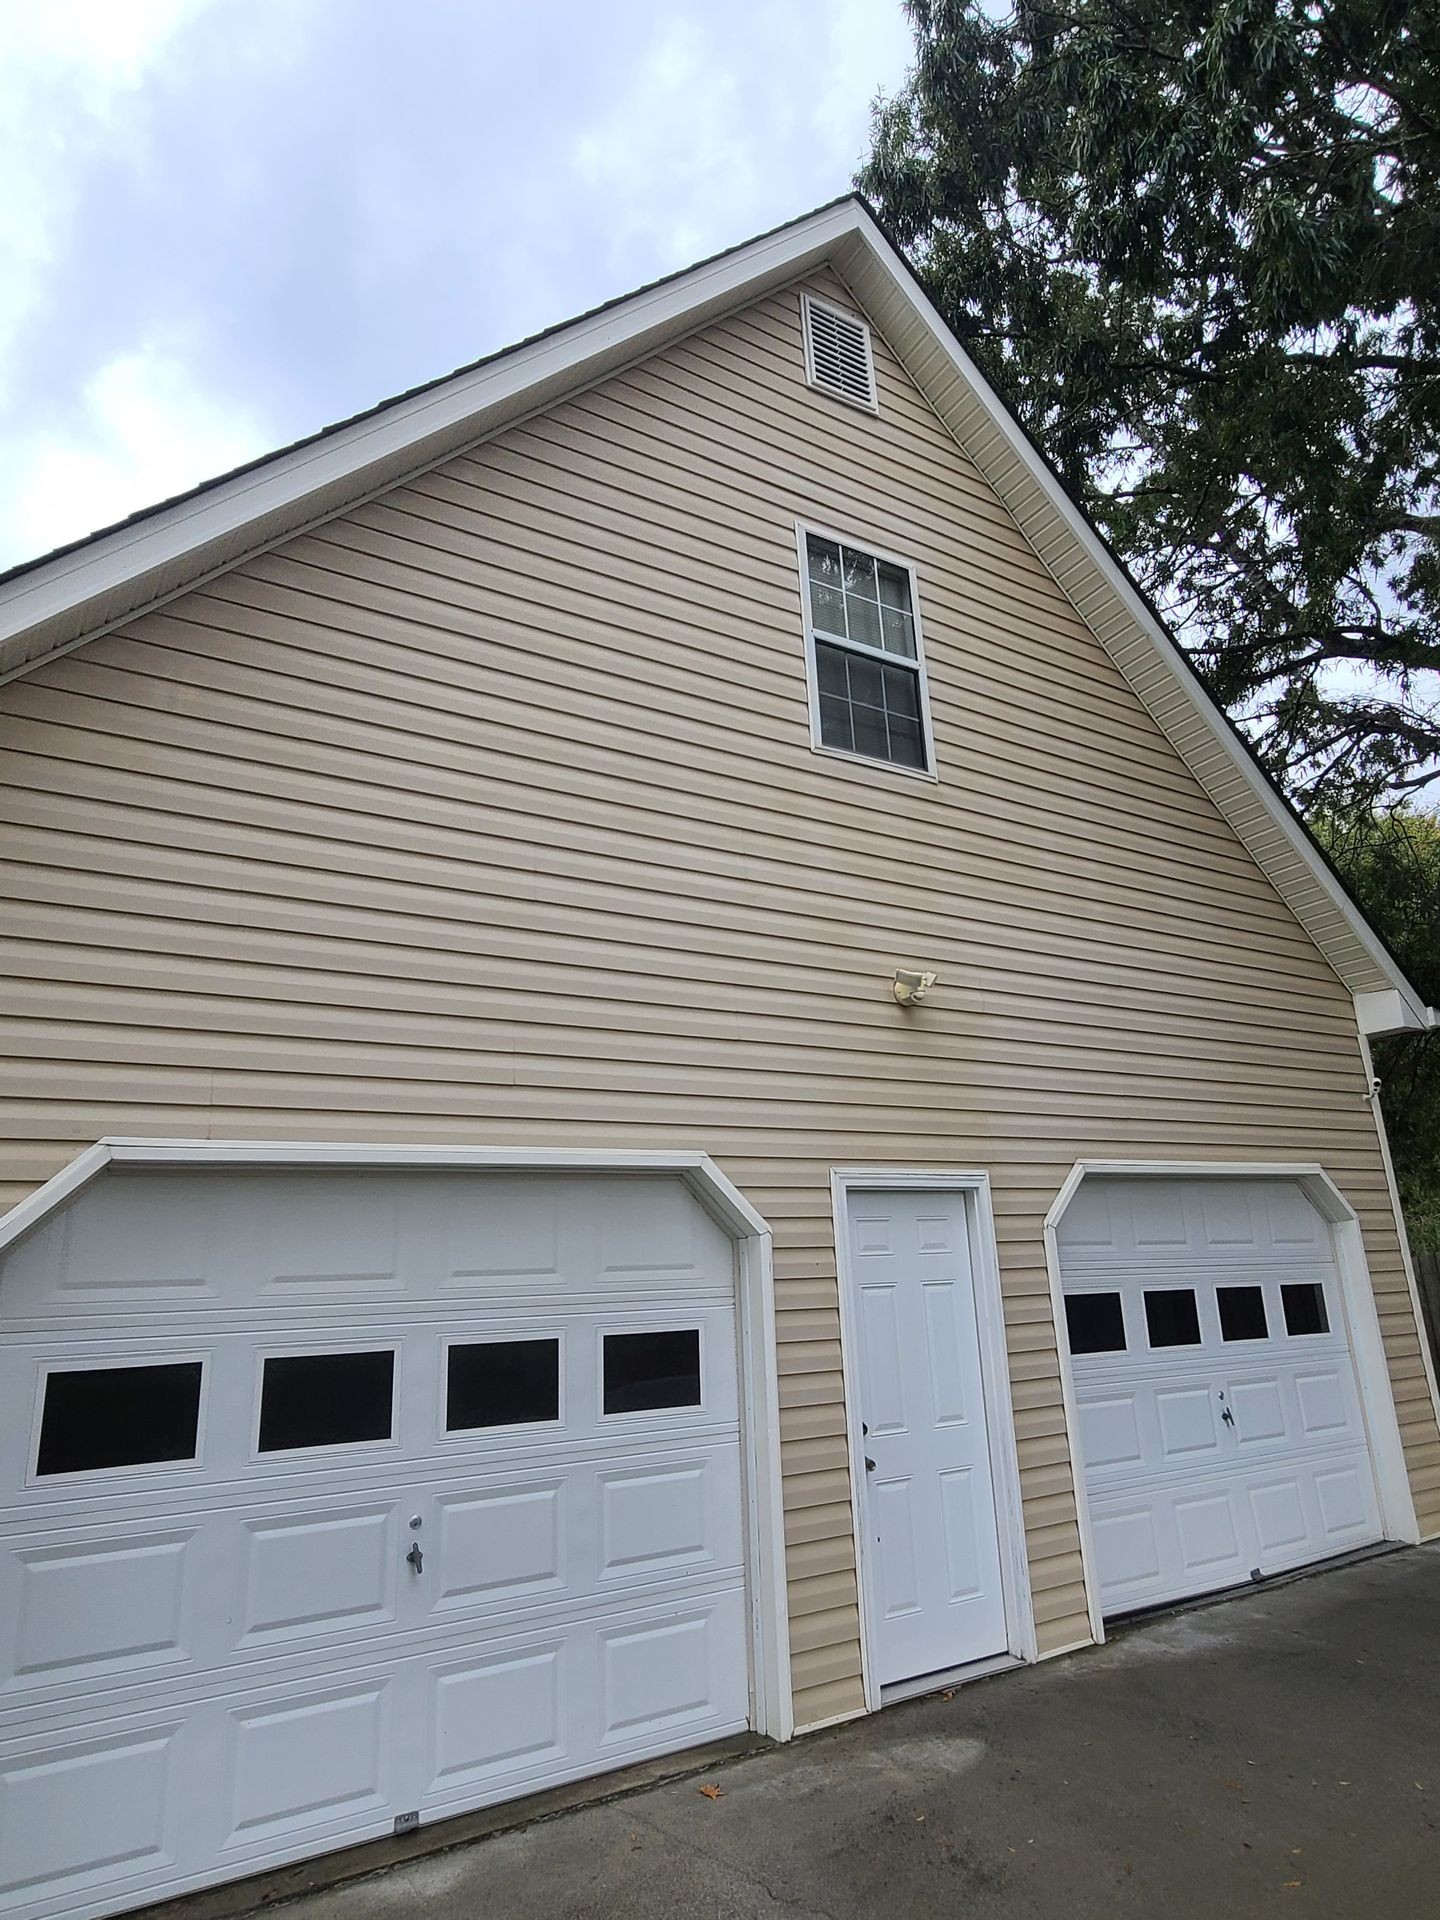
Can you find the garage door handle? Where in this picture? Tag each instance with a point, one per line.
(869, 1464)
(1227, 1416)
(415, 1556)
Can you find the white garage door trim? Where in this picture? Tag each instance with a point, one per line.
(1362, 1325)
(772, 1704)
(974, 1188)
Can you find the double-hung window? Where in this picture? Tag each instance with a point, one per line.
(867, 671)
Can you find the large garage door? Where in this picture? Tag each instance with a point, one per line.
(334, 1499)
(1220, 1421)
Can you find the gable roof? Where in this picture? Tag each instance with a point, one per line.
(67, 597)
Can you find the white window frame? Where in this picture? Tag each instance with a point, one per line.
(809, 301)
(803, 529)
(149, 1355)
(692, 1410)
(456, 1439)
(320, 1348)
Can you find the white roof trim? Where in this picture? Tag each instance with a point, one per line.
(75, 595)
(721, 1198)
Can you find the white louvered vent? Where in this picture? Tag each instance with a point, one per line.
(837, 354)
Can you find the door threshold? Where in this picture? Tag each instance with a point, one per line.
(948, 1677)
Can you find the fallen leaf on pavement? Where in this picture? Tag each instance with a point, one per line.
(713, 1793)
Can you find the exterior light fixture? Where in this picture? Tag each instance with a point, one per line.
(910, 986)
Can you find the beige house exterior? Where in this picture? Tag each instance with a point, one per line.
(450, 782)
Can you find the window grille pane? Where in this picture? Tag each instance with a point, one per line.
(824, 561)
(894, 584)
(907, 743)
(827, 608)
(831, 671)
(902, 693)
(835, 727)
(859, 574)
(899, 632)
(867, 681)
(872, 736)
(862, 619)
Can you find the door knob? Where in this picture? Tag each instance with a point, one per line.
(415, 1556)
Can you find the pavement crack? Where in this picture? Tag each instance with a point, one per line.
(743, 1869)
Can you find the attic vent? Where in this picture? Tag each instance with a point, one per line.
(837, 354)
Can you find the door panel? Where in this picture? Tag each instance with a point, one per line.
(525, 1564)
(931, 1543)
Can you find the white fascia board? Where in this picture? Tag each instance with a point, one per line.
(1390, 1012)
(119, 573)
(1081, 563)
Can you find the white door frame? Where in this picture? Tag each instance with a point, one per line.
(1362, 1326)
(772, 1703)
(995, 1371)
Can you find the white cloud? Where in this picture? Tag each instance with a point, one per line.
(311, 203)
(731, 126)
(66, 67)
(144, 433)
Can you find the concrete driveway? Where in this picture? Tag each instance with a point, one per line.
(1278, 1753)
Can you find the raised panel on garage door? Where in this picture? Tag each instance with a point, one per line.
(1220, 1426)
(444, 1505)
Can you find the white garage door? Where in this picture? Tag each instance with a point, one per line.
(1220, 1422)
(331, 1499)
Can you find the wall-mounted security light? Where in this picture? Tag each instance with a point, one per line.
(911, 985)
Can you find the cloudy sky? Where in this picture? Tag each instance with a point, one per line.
(224, 223)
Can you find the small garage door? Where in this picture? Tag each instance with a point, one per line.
(331, 1499)
(1220, 1420)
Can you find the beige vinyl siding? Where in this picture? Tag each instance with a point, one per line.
(487, 813)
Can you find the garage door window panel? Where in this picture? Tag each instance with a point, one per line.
(93, 1419)
(1242, 1313)
(1095, 1323)
(1172, 1318)
(310, 1400)
(651, 1372)
(502, 1383)
(1305, 1308)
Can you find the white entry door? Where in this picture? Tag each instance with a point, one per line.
(333, 1499)
(1221, 1428)
(931, 1545)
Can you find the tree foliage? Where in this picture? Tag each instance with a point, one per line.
(1391, 860)
(1197, 244)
